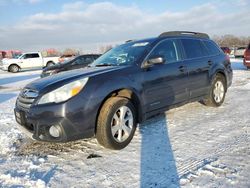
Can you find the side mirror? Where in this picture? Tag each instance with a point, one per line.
(153, 61)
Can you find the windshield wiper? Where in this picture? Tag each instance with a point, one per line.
(104, 65)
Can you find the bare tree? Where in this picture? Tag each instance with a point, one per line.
(231, 40)
(70, 51)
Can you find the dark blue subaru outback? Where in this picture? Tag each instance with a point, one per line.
(125, 86)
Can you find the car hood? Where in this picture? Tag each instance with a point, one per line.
(60, 79)
(6, 61)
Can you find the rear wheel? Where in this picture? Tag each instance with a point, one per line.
(116, 123)
(217, 92)
(14, 68)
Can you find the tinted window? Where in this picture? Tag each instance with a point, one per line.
(35, 55)
(193, 48)
(168, 50)
(83, 60)
(212, 48)
(95, 56)
(86, 60)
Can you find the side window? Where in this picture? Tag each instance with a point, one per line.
(212, 48)
(35, 55)
(83, 60)
(193, 48)
(77, 62)
(88, 60)
(27, 56)
(24, 56)
(95, 57)
(168, 50)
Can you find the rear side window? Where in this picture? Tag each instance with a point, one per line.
(212, 48)
(168, 50)
(193, 48)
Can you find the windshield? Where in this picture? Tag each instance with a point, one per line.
(16, 56)
(125, 54)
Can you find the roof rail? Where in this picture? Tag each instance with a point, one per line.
(186, 33)
(131, 40)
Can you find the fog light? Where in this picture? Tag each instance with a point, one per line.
(54, 131)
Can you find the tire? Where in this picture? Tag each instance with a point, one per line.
(50, 64)
(217, 92)
(108, 131)
(14, 68)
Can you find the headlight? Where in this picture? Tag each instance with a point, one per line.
(64, 93)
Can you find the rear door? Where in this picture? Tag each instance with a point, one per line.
(198, 65)
(165, 84)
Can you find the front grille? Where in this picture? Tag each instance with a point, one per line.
(26, 98)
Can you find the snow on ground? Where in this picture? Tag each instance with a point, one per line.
(190, 146)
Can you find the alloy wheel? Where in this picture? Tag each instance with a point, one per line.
(122, 124)
(219, 91)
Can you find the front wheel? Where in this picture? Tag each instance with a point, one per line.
(116, 123)
(14, 68)
(217, 92)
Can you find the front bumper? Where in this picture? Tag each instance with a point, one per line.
(36, 123)
(4, 67)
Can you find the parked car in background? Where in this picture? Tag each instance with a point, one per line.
(31, 60)
(226, 50)
(80, 61)
(10, 54)
(239, 52)
(66, 57)
(247, 57)
(123, 87)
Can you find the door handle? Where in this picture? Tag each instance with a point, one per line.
(209, 62)
(182, 68)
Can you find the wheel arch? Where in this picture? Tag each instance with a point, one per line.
(125, 93)
(50, 61)
(12, 65)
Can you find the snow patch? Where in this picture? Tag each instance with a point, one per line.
(9, 141)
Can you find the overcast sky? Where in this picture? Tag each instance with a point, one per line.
(86, 25)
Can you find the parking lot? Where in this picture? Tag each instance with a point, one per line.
(193, 145)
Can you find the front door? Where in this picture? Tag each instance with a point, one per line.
(165, 84)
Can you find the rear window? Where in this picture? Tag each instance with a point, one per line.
(212, 48)
(194, 48)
